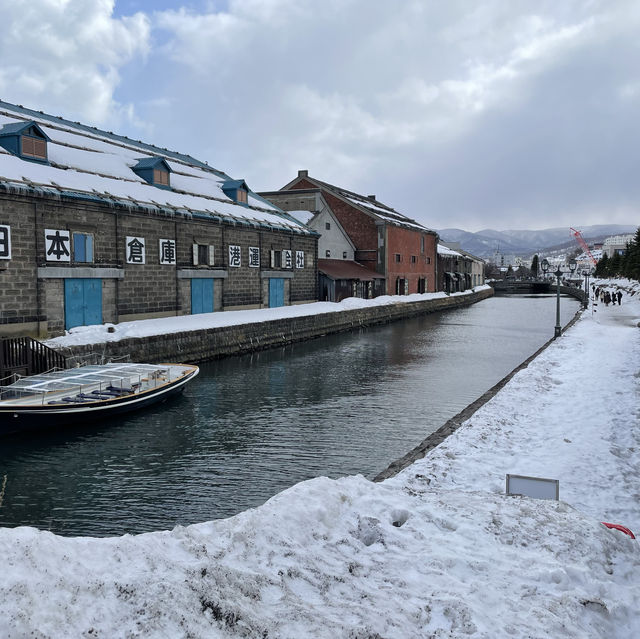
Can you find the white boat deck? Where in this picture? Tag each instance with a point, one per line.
(100, 382)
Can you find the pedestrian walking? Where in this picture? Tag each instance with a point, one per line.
(607, 298)
(619, 296)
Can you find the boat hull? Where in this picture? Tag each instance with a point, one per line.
(21, 419)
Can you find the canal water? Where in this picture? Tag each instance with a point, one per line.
(251, 426)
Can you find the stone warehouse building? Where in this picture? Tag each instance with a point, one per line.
(398, 254)
(95, 228)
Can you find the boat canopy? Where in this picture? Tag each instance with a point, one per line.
(73, 377)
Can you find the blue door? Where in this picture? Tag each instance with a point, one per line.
(276, 292)
(202, 295)
(82, 302)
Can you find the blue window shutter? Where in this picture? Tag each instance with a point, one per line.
(89, 248)
(79, 247)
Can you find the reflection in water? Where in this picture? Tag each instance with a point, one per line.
(250, 426)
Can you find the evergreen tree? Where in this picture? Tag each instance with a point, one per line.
(632, 258)
(614, 265)
(534, 266)
(602, 267)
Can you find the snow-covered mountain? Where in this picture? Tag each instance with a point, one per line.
(486, 242)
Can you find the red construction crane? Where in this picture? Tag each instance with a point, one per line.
(584, 245)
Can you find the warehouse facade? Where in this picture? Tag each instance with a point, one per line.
(97, 228)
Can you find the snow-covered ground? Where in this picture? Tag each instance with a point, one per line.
(437, 551)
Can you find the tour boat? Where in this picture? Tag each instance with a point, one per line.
(86, 393)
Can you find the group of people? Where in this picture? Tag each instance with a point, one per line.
(606, 296)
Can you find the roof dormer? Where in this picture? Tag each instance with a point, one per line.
(155, 171)
(26, 140)
(237, 190)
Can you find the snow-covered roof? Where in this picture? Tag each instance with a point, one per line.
(372, 206)
(303, 216)
(87, 163)
(443, 250)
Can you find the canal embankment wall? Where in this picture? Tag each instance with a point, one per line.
(213, 343)
(451, 425)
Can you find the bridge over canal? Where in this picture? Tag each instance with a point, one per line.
(535, 287)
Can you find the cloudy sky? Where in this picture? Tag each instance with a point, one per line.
(500, 114)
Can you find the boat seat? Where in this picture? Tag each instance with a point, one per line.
(74, 400)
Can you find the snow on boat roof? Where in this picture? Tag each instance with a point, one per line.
(87, 163)
(73, 377)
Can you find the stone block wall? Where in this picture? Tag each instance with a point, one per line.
(202, 345)
(32, 300)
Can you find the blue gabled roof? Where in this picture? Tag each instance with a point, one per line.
(234, 184)
(16, 128)
(152, 163)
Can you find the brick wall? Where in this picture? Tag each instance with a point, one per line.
(34, 305)
(407, 243)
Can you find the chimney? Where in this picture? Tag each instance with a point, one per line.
(303, 173)
(371, 197)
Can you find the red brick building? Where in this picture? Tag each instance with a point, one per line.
(385, 241)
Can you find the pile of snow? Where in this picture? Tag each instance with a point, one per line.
(437, 551)
(98, 334)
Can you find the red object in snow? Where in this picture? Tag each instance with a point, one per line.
(623, 529)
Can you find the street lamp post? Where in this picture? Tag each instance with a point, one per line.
(544, 265)
(558, 274)
(572, 267)
(586, 274)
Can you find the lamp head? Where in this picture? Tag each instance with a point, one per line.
(544, 265)
(573, 265)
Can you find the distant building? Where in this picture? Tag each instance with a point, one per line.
(399, 252)
(458, 270)
(616, 245)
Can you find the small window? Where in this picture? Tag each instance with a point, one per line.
(327, 225)
(327, 253)
(82, 247)
(161, 177)
(276, 259)
(428, 260)
(241, 196)
(398, 257)
(414, 259)
(422, 244)
(344, 255)
(203, 254)
(34, 147)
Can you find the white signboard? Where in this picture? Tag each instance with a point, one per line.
(135, 250)
(287, 259)
(254, 256)
(299, 259)
(5, 242)
(536, 487)
(235, 256)
(57, 245)
(167, 251)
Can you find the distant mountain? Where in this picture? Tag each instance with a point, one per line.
(486, 242)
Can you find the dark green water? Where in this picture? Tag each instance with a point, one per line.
(249, 427)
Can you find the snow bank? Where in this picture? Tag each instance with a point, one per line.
(437, 551)
(98, 334)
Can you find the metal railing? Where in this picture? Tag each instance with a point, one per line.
(26, 356)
